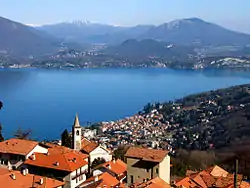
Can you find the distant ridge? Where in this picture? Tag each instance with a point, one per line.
(190, 31)
(22, 40)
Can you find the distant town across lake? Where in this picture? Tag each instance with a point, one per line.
(46, 101)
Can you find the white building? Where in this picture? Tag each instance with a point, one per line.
(86, 146)
(14, 152)
(62, 163)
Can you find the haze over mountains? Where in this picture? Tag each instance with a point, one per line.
(19, 39)
(183, 32)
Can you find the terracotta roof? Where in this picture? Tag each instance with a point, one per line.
(212, 177)
(152, 155)
(27, 181)
(154, 183)
(218, 171)
(57, 149)
(60, 159)
(116, 166)
(17, 146)
(186, 182)
(89, 146)
(103, 180)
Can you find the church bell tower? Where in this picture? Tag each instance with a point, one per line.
(77, 134)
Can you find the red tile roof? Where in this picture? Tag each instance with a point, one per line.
(26, 181)
(145, 154)
(59, 158)
(212, 177)
(116, 166)
(17, 146)
(153, 183)
(103, 180)
(186, 182)
(89, 146)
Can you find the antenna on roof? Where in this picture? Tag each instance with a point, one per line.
(235, 173)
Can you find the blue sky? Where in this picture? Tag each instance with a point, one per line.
(233, 14)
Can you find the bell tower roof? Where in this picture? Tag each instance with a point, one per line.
(76, 122)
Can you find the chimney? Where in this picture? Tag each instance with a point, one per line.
(109, 166)
(114, 161)
(27, 170)
(96, 178)
(74, 160)
(47, 153)
(13, 176)
(33, 157)
(57, 163)
(41, 181)
(24, 172)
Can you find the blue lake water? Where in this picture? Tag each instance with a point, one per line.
(47, 100)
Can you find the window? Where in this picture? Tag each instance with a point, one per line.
(76, 179)
(157, 171)
(132, 179)
(77, 132)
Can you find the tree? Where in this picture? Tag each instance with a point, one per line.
(1, 135)
(120, 152)
(66, 139)
(97, 162)
(23, 134)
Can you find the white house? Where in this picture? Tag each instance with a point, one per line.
(62, 163)
(14, 152)
(95, 151)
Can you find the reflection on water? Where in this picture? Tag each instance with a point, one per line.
(11, 80)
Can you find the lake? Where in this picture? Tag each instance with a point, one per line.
(47, 100)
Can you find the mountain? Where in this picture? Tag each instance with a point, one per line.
(183, 32)
(196, 31)
(21, 40)
(149, 48)
(87, 32)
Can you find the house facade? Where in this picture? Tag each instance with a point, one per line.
(146, 164)
(61, 163)
(14, 152)
(115, 168)
(94, 150)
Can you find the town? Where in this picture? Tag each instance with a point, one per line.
(194, 122)
(87, 164)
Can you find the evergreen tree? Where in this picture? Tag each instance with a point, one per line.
(120, 152)
(23, 134)
(1, 135)
(97, 162)
(66, 139)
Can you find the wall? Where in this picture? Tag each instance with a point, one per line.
(97, 172)
(100, 153)
(37, 149)
(74, 182)
(138, 173)
(164, 169)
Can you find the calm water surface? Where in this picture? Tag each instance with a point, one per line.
(47, 100)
